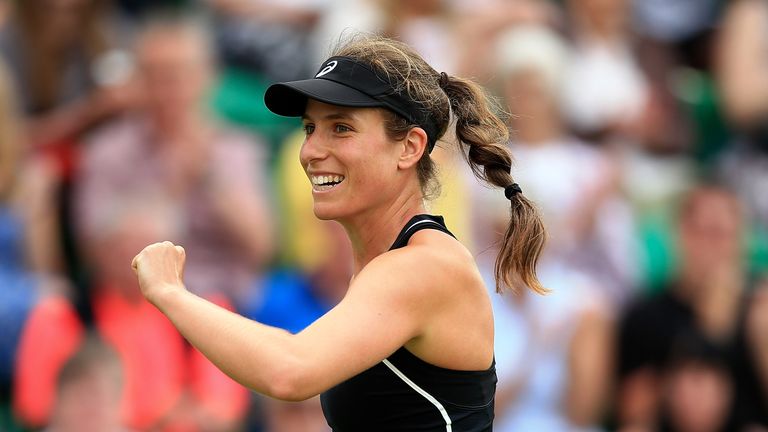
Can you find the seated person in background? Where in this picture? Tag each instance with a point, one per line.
(88, 391)
(167, 384)
(175, 152)
(710, 298)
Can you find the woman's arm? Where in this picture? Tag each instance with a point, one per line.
(380, 313)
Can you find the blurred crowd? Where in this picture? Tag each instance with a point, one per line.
(640, 128)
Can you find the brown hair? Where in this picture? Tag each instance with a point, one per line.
(482, 136)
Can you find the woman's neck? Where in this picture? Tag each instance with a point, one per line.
(373, 232)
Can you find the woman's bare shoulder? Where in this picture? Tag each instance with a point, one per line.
(432, 261)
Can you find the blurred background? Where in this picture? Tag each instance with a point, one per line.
(640, 127)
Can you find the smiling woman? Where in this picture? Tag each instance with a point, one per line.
(410, 347)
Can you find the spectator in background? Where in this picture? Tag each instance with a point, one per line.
(711, 299)
(174, 151)
(674, 43)
(697, 387)
(743, 79)
(26, 192)
(552, 352)
(29, 257)
(89, 388)
(624, 94)
(67, 76)
(26, 196)
(605, 89)
(682, 26)
(167, 384)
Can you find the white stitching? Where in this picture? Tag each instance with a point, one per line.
(421, 391)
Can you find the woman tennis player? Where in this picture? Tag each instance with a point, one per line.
(410, 347)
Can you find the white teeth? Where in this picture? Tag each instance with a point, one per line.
(324, 180)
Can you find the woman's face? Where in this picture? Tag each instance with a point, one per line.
(175, 70)
(711, 231)
(351, 163)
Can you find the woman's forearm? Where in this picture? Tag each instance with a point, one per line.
(255, 355)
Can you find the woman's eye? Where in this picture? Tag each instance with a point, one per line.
(309, 128)
(342, 128)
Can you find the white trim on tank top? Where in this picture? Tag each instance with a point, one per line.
(421, 391)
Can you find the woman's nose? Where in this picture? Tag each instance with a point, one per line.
(313, 149)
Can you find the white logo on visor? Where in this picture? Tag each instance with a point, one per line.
(329, 67)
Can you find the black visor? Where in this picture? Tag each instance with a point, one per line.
(346, 82)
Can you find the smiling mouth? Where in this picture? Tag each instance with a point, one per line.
(326, 182)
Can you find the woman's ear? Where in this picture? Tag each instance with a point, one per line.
(414, 146)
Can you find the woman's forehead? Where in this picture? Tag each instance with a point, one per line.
(317, 110)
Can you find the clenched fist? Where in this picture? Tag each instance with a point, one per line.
(159, 267)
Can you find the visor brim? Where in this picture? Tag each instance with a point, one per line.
(290, 99)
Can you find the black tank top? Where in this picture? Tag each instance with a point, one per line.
(405, 393)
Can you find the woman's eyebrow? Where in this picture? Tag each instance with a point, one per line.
(332, 116)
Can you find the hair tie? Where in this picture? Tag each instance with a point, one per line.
(443, 82)
(512, 190)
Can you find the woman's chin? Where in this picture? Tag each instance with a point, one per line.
(325, 212)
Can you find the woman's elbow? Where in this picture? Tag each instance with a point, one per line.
(290, 385)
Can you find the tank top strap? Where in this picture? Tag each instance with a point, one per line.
(416, 224)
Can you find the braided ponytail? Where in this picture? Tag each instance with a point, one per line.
(485, 136)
